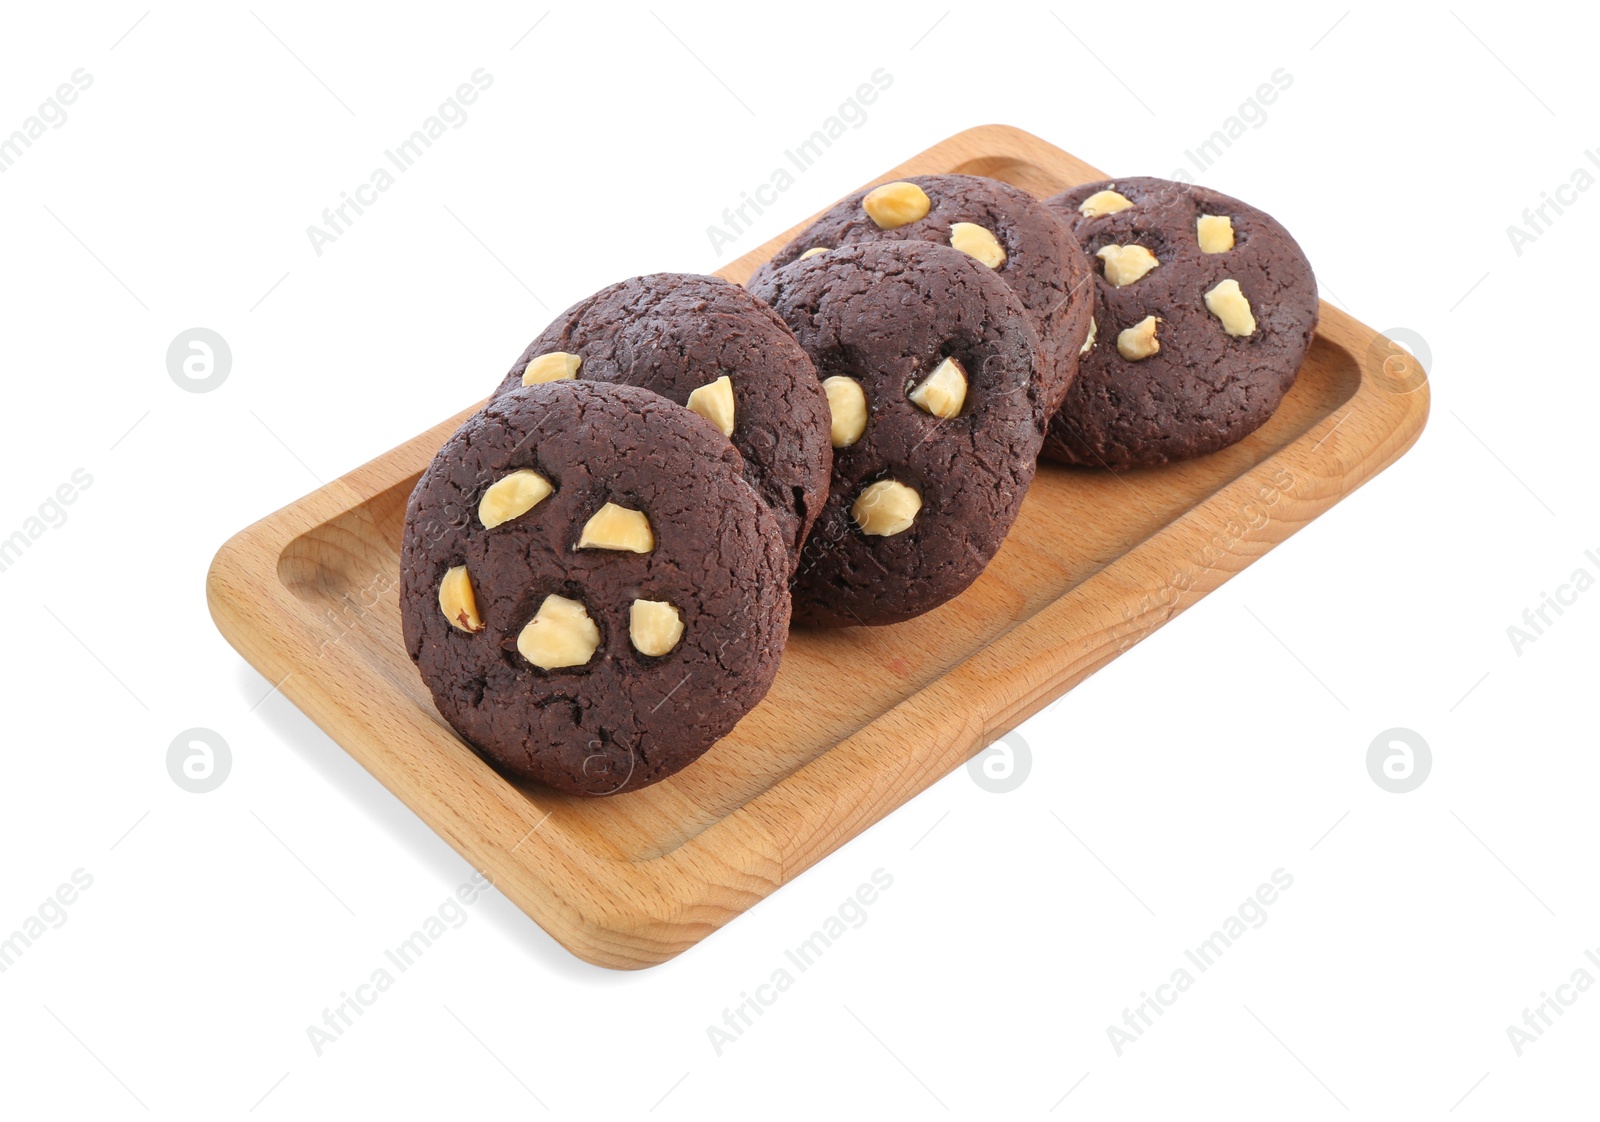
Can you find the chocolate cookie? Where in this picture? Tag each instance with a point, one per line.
(590, 588)
(1000, 225)
(1204, 310)
(707, 344)
(927, 359)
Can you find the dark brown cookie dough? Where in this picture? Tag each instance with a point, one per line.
(886, 315)
(1043, 262)
(1205, 388)
(614, 718)
(674, 333)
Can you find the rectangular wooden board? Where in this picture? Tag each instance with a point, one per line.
(859, 721)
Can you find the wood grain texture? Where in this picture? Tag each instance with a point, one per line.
(859, 721)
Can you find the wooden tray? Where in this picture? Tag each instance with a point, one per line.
(858, 721)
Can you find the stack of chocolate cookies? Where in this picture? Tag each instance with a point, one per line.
(600, 569)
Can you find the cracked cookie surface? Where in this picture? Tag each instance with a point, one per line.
(1211, 382)
(1042, 261)
(929, 357)
(656, 575)
(675, 333)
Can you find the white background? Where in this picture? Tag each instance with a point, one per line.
(1019, 926)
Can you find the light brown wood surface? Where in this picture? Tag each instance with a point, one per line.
(859, 721)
